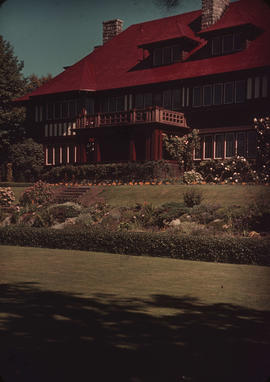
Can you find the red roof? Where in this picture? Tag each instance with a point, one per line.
(111, 66)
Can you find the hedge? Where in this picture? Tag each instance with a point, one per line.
(225, 250)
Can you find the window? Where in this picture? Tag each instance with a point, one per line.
(46, 130)
(120, 103)
(139, 102)
(89, 106)
(207, 95)
(219, 149)
(176, 99)
(50, 155)
(197, 96)
(167, 55)
(57, 111)
(257, 87)
(238, 41)
(72, 109)
(148, 99)
(241, 144)
(230, 150)
(167, 99)
(157, 57)
(50, 111)
(227, 43)
(228, 92)
(176, 54)
(251, 144)
(65, 110)
(216, 46)
(249, 88)
(264, 86)
(64, 154)
(218, 94)
(71, 154)
(240, 91)
(208, 147)
(158, 99)
(57, 155)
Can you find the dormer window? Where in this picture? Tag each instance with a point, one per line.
(228, 43)
(166, 55)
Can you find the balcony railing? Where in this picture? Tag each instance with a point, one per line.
(132, 117)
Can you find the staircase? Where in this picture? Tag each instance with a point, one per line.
(70, 193)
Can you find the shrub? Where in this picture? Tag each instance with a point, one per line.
(262, 127)
(7, 197)
(235, 170)
(168, 212)
(39, 194)
(192, 176)
(193, 197)
(204, 248)
(61, 212)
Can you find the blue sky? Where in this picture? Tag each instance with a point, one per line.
(50, 34)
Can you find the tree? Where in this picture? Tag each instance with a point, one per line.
(33, 82)
(27, 160)
(12, 85)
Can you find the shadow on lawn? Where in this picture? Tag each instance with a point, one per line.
(55, 336)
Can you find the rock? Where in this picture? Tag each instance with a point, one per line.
(175, 223)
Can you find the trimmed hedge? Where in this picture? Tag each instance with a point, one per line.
(224, 250)
(125, 172)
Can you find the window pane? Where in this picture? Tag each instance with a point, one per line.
(241, 144)
(197, 96)
(238, 41)
(120, 103)
(72, 109)
(71, 154)
(176, 99)
(167, 55)
(249, 88)
(230, 152)
(252, 144)
(148, 99)
(257, 87)
(240, 91)
(89, 105)
(264, 86)
(157, 56)
(50, 155)
(65, 110)
(158, 99)
(57, 155)
(112, 104)
(208, 150)
(207, 95)
(57, 111)
(139, 101)
(167, 99)
(176, 54)
(50, 111)
(64, 154)
(219, 146)
(228, 92)
(218, 92)
(228, 43)
(216, 46)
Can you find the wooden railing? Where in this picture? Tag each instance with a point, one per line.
(131, 117)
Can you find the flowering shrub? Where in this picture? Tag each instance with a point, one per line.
(181, 148)
(262, 127)
(40, 193)
(6, 196)
(235, 170)
(192, 176)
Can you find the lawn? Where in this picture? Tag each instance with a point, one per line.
(75, 316)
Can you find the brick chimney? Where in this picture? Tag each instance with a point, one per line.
(111, 29)
(212, 11)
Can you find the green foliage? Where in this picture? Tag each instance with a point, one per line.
(235, 170)
(182, 148)
(262, 127)
(192, 176)
(124, 172)
(61, 212)
(193, 197)
(12, 86)
(168, 212)
(27, 159)
(203, 248)
(33, 82)
(39, 194)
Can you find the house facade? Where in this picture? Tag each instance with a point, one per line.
(207, 69)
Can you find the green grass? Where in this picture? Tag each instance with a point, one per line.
(225, 195)
(102, 317)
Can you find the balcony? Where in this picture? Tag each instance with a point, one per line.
(150, 115)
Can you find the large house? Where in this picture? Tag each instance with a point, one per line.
(207, 69)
